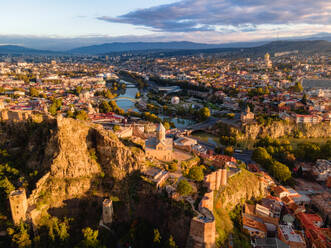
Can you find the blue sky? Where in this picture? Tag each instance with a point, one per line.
(46, 24)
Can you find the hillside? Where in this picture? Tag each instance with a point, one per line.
(70, 167)
(11, 49)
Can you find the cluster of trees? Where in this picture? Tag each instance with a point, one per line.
(55, 106)
(280, 171)
(258, 91)
(184, 188)
(310, 152)
(106, 93)
(111, 106)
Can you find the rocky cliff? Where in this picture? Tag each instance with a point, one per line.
(282, 129)
(241, 187)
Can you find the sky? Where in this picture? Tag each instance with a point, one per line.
(63, 24)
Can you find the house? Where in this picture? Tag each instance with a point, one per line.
(316, 236)
(322, 169)
(290, 237)
(253, 227)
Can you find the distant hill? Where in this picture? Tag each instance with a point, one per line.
(12, 49)
(185, 48)
(141, 46)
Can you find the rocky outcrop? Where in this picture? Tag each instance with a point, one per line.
(241, 187)
(283, 129)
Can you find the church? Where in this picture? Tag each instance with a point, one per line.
(159, 147)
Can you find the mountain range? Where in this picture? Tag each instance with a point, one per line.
(184, 47)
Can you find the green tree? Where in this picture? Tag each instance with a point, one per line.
(81, 115)
(116, 128)
(261, 156)
(204, 113)
(196, 173)
(280, 171)
(166, 125)
(33, 92)
(184, 188)
(90, 238)
(157, 236)
(104, 107)
(21, 237)
(228, 150)
(78, 90)
(172, 243)
(52, 109)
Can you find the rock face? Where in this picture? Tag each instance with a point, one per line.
(241, 187)
(281, 129)
(73, 155)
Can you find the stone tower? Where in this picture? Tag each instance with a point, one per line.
(18, 205)
(160, 133)
(267, 61)
(107, 211)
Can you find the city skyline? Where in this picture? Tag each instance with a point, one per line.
(62, 24)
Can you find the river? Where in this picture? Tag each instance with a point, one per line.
(131, 91)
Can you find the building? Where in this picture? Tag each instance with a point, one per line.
(290, 237)
(18, 205)
(254, 227)
(185, 143)
(322, 170)
(159, 147)
(267, 61)
(247, 115)
(316, 236)
(107, 211)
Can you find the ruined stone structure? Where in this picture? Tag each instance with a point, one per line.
(216, 179)
(19, 115)
(159, 147)
(107, 211)
(203, 227)
(18, 205)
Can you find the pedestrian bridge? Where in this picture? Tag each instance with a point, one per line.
(126, 98)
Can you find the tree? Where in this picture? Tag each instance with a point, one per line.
(52, 109)
(298, 87)
(81, 115)
(78, 90)
(204, 113)
(104, 107)
(261, 156)
(184, 188)
(33, 92)
(157, 236)
(173, 166)
(308, 151)
(90, 238)
(196, 173)
(228, 150)
(116, 128)
(21, 238)
(172, 243)
(326, 150)
(166, 125)
(280, 171)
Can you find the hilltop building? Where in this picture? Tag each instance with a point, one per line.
(267, 61)
(159, 147)
(18, 205)
(247, 115)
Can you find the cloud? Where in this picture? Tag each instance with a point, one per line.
(242, 15)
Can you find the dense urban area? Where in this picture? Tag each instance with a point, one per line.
(156, 150)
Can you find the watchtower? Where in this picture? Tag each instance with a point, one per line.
(107, 211)
(18, 205)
